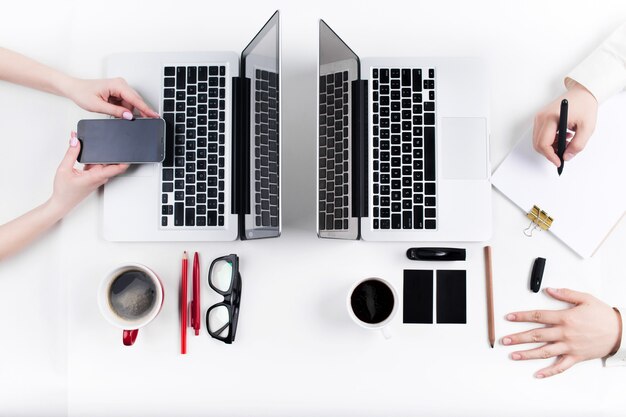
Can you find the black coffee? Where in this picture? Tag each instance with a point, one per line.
(132, 295)
(372, 301)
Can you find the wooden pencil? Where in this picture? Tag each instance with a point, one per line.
(489, 279)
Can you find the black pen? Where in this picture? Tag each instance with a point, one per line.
(561, 141)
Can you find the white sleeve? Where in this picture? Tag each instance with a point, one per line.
(603, 72)
(619, 357)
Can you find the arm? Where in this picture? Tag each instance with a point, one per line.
(599, 76)
(20, 232)
(71, 186)
(18, 69)
(109, 96)
(590, 329)
(603, 72)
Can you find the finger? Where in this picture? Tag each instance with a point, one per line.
(113, 110)
(578, 143)
(127, 105)
(546, 351)
(569, 296)
(546, 334)
(72, 153)
(561, 365)
(92, 174)
(110, 171)
(536, 316)
(127, 94)
(544, 140)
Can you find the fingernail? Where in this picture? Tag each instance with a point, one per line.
(552, 290)
(127, 115)
(516, 356)
(510, 317)
(539, 376)
(568, 156)
(506, 341)
(73, 140)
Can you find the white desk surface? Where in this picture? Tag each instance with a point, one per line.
(297, 353)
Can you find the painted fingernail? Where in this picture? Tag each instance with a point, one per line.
(127, 115)
(568, 156)
(510, 317)
(506, 341)
(516, 356)
(73, 139)
(539, 376)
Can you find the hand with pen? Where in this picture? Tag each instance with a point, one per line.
(587, 330)
(582, 114)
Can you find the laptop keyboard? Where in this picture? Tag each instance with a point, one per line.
(192, 174)
(403, 143)
(266, 148)
(334, 166)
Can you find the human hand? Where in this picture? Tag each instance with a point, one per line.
(591, 329)
(109, 96)
(581, 118)
(71, 185)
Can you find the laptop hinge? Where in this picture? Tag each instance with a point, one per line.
(359, 148)
(240, 146)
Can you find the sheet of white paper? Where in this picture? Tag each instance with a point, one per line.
(589, 198)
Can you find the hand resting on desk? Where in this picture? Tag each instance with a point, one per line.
(589, 329)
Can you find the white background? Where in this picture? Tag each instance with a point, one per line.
(297, 353)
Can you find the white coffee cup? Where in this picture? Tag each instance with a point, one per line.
(377, 294)
(143, 289)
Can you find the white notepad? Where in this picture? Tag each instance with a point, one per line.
(589, 198)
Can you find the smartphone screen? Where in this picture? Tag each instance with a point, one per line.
(111, 141)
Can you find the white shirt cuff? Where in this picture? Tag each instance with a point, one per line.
(619, 358)
(603, 72)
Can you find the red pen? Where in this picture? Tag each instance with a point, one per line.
(195, 302)
(183, 307)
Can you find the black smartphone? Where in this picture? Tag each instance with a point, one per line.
(113, 141)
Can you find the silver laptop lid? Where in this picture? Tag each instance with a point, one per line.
(338, 67)
(260, 64)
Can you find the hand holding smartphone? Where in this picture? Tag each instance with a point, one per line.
(116, 141)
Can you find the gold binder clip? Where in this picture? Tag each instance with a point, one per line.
(539, 220)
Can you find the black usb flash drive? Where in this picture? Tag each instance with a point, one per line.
(436, 254)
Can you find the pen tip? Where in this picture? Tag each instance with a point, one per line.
(491, 345)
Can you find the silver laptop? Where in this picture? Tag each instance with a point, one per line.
(220, 178)
(403, 146)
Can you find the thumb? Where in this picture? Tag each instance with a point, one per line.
(114, 110)
(567, 295)
(72, 153)
(577, 144)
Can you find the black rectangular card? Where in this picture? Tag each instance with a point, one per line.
(451, 297)
(418, 296)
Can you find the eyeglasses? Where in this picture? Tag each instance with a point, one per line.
(224, 278)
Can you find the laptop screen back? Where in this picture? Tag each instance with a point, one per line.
(338, 67)
(261, 65)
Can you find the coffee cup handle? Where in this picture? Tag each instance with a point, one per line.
(386, 332)
(129, 337)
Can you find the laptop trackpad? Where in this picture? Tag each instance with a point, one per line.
(464, 148)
